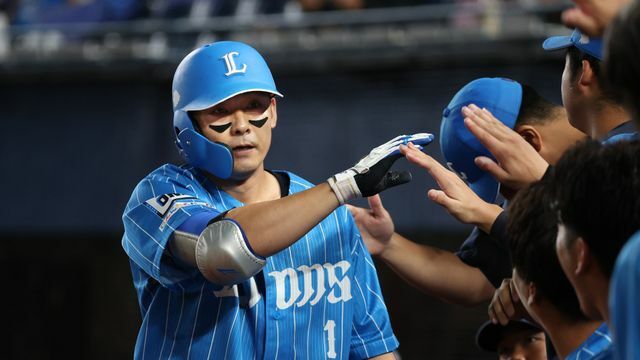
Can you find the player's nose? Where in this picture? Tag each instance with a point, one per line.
(240, 123)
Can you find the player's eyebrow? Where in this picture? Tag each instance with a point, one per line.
(259, 123)
(220, 128)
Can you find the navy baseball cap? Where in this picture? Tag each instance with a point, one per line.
(489, 335)
(586, 44)
(500, 96)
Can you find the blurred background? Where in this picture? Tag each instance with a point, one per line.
(86, 113)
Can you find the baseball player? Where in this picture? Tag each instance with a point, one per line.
(620, 67)
(539, 285)
(593, 229)
(623, 300)
(590, 108)
(233, 261)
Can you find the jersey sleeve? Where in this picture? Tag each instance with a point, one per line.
(481, 251)
(372, 334)
(158, 206)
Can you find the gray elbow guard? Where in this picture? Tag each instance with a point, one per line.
(223, 255)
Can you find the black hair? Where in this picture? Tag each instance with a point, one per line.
(596, 191)
(575, 62)
(576, 56)
(620, 67)
(532, 229)
(535, 109)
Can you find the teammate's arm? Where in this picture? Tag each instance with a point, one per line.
(436, 272)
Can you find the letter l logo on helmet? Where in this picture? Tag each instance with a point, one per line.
(231, 64)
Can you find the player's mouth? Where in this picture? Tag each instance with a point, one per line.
(242, 149)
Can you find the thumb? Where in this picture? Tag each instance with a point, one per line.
(375, 203)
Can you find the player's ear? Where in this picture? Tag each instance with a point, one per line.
(532, 293)
(531, 135)
(273, 115)
(582, 255)
(587, 76)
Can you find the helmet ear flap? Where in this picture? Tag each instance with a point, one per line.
(197, 150)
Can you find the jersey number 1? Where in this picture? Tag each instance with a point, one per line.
(330, 328)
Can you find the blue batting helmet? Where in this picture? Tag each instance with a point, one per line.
(500, 96)
(206, 77)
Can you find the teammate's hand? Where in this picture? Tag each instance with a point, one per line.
(370, 175)
(506, 304)
(454, 195)
(375, 225)
(518, 162)
(592, 16)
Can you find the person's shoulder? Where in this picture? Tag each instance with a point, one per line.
(297, 183)
(171, 172)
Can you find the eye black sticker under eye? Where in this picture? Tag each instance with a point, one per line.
(220, 128)
(259, 123)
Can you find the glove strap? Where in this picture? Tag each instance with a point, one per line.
(344, 186)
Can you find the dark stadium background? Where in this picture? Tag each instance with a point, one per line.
(79, 130)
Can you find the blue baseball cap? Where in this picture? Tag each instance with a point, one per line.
(586, 44)
(500, 96)
(489, 334)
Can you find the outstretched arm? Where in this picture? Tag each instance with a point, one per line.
(436, 272)
(230, 249)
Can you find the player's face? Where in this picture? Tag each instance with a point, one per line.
(570, 97)
(566, 249)
(557, 136)
(522, 344)
(244, 123)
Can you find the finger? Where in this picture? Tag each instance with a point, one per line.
(375, 203)
(496, 310)
(480, 131)
(492, 315)
(494, 126)
(442, 199)
(490, 166)
(514, 294)
(501, 316)
(505, 299)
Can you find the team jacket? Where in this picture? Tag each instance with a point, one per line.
(317, 299)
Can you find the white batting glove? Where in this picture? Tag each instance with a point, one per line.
(370, 175)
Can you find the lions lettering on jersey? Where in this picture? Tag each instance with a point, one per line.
(339, 289)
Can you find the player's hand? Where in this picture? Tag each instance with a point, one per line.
(370, 175)
(592, 16)
(518, 162)
(375, 225)
(506, 304)
(454, 195)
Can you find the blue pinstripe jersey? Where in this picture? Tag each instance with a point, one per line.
(319, 298)
(624, 293)
(596, 343)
